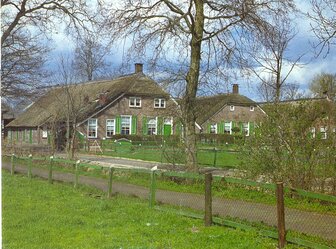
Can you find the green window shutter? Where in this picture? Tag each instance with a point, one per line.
(24, 135)
(209, 128)
(221, 128)
(144, 125)
(134, 125)
(241, 128)
(251, 124)
(31, 136)
(17, 135)
(159, 125)
(117, 124)
(178, 128)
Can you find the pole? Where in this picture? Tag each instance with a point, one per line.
(12, 164)
(109, 190)
(76, 173)
(30, 165)
(281, 215)
(208, 200)
(152, 189)
(215, 157)
(50, 170)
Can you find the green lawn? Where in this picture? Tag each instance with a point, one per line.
(39, 215)
(223, 157)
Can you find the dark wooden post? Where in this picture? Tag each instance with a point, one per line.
(208, 200)
(30, 165)
(109, 190)
(76, 173)
(50, 180)
(215, 157)
(12, 164)
(152, 189)
(281, 214)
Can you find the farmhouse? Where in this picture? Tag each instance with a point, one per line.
(129, 105)
(227, 113)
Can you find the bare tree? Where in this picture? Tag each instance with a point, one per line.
(198, 34)
(22, 65)
(323, 17)
(24, 25)
(268, 55)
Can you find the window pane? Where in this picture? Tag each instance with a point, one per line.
(151, 124)
(125, 125)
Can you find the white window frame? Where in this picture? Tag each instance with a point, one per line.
(232, 108)
(247, 130)
(96, 127)
(313, 132)
(323, 131)
(156, 122)
(251, 108)
(134, 100)
(230, 127)
(158, 103)
(130, 124)
(114, 127)
(44, 133)
(215, 128)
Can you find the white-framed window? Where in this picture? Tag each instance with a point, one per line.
(252, 108)
(227, 128)
(159, 103)
(152, 126)
(313, 132)
(323, 131)
(135, 102)
(213, 129)
(232, 108)
(110, 127)
(126, 122)
(246, 129)
(44, 134)
(92, 128)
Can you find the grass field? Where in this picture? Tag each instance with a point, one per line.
(223, 157)
(39, 215)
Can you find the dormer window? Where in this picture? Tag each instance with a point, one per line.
(159, 103)
(232, 108)
(134, 102)
(252, 108)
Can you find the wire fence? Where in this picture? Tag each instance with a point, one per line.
(289, 215)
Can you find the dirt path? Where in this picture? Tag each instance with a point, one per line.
(302, 221)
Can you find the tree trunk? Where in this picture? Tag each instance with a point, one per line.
(191, 87)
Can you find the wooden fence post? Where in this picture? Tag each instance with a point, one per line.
(208, 200)
(50, 170)
(215, 157)
(152, 189)
(12, 164)
(281, 215)
(109, 189)
(76, 173)
(30, 165)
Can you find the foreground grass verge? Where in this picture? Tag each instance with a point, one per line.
(39, 215)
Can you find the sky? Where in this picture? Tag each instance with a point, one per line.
(309, 66)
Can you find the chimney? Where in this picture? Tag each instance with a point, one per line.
(103, 98)
(235, 89)
(138, 67)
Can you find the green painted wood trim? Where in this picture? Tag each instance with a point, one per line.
(307, 243)
(249, 183)
(17, 135)
(134, 125)
(31, 136)
(304, 193)
(251, 124)
(183, 175)
(159, 125)
(144, 125)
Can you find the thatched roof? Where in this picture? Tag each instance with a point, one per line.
(85, 99)
(206, 107)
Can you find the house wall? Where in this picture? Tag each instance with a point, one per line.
(26, 136)
(140, 114)
(240, 114)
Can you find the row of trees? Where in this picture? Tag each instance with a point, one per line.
(199, 39)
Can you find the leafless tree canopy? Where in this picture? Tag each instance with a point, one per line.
(324, 84)
(200, 35)
(90, 57)
(323, 24)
